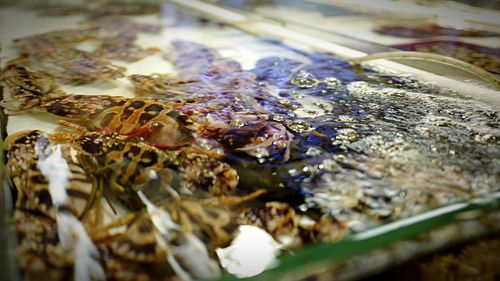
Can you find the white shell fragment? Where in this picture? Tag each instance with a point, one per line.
(251, 252)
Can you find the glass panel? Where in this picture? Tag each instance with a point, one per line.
(448, 28)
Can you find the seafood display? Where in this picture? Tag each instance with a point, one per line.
(425, 30)
(224, 102)
(98, 10)
(161, 182)
(484, 57)
(449, 29)
(113, 38)
(76, 64)
(59, 184)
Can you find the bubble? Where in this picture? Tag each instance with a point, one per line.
(304, 79)
(299, 126)
(331, 82)
(484, 138)
(313, 151)
(236, 123)
(346, 135)
(278, 118)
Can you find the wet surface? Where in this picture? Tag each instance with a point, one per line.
(303, 146)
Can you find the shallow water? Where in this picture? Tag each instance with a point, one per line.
(337, 150)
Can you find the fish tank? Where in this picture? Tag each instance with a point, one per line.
(189, 140)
